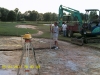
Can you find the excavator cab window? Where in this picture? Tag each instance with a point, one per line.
(92, 18)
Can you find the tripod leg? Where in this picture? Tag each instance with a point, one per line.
(50, 39)
(21, 60)
(27, 59)
(35, 58)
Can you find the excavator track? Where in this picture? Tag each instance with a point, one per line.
(78, 41)
(93, 40)
(82, 41)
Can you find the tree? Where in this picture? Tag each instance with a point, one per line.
(19, 16)
(4, 13)
(47, 16)
(11, 16)
(92, 15)
(26, 15)
(16, 11)
(0, 15)
(40, 17)
(54, 17)
(33, 15)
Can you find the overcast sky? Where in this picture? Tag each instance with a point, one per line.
(43, 6)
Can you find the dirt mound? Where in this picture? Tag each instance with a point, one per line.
(10, 43)
(13, 43)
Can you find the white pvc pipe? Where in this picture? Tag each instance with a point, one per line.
(27, 59)
(27, 64)
(50, 35)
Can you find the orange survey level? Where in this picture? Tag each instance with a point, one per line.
(27, 36)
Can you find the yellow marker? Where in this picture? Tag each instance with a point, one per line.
(16, 67)
(19, 66)
(9, 66)
(37, 67)
(25, 66)
(31, 66)
(4, 67)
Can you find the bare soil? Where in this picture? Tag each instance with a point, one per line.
(26, 26)
(69, 59)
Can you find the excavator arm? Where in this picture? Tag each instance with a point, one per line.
(74, 13)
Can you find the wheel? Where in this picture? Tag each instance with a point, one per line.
(70, 33)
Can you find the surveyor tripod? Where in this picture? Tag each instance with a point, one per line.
(26, 51)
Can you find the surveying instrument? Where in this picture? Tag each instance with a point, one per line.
(26, 49)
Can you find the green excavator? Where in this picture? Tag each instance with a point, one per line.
(89, 30)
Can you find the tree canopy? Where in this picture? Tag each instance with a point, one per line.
(16, 15)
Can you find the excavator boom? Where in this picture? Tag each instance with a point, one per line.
(74, 13)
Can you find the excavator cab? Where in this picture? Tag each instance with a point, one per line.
(93, 20)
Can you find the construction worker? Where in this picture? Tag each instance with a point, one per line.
(64, 28)
(55, 32)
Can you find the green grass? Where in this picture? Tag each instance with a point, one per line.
(45, 29)
(45, 22)
(9, 29)
(47, 34)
